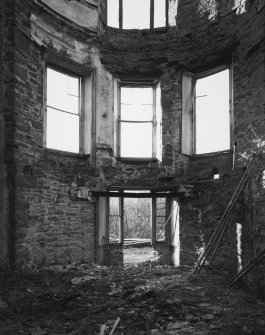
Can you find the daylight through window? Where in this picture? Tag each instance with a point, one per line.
(137, 124)
(212, 113)
(137, 14)
(63, 111)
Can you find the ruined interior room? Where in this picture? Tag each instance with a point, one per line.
(132, 140)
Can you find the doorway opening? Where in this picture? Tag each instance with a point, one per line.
(138, 223)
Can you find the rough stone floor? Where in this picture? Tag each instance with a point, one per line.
(141, 299)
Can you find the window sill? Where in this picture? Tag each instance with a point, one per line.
(113, 244)
(213, 154)
(136, 160)
(64, 153)
(143, 30)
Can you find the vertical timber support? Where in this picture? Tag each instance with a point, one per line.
(174, 241)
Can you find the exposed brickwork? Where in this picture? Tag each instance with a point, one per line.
(46, 223)
(3, 222)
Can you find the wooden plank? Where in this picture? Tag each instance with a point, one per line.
(134, 195)
(258, 258)
(153, 220)
(115, 326)
(121, 220)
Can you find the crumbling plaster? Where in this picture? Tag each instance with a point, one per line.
(83, 13)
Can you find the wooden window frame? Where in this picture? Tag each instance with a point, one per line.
(87, 103)
(153, 239)
(201, 76)
(152, 85)
(121, 216)
(189, 111)
(152, 14)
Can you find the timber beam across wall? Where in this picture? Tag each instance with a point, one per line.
(139, 195)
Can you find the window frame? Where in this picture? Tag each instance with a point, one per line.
(189, 148)
(152, 15)
(121, 195)
(87, 106)
(121, 220)
(80, 108)
(152, 85)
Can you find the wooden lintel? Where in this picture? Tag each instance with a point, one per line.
(136, 195)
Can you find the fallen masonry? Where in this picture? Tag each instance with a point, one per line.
(136, 300)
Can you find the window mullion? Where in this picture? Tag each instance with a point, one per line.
(167, 7)
(119, 123)
(81, 118)
(154, 123)
(120, 14)
(193, 111)
(45, 109)
(152, 13)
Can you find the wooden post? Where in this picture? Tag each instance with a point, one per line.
(153, 220)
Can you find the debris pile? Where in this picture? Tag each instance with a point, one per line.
(139, 299)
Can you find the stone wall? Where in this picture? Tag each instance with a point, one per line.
(47, 224)
(208, 34)
(3, 185)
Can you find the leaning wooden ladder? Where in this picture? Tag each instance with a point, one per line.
(218, 234)
(256, 260)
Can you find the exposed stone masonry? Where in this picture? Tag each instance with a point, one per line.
(40, 221)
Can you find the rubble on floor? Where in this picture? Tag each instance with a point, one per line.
(136, 300)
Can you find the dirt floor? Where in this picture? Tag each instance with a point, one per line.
(136, 256)
(135, 300)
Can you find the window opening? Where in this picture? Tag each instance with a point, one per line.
(113, 13)
(63, 111)
(133, 221)
(161, 219)
(212, 113)
(159, 8)
(137, 220)
(137, 14)
(114, 220)
(137, 116)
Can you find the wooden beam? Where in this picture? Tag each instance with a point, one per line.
(256, 260)
(121, 220)
(135, 195)
(153, 221)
